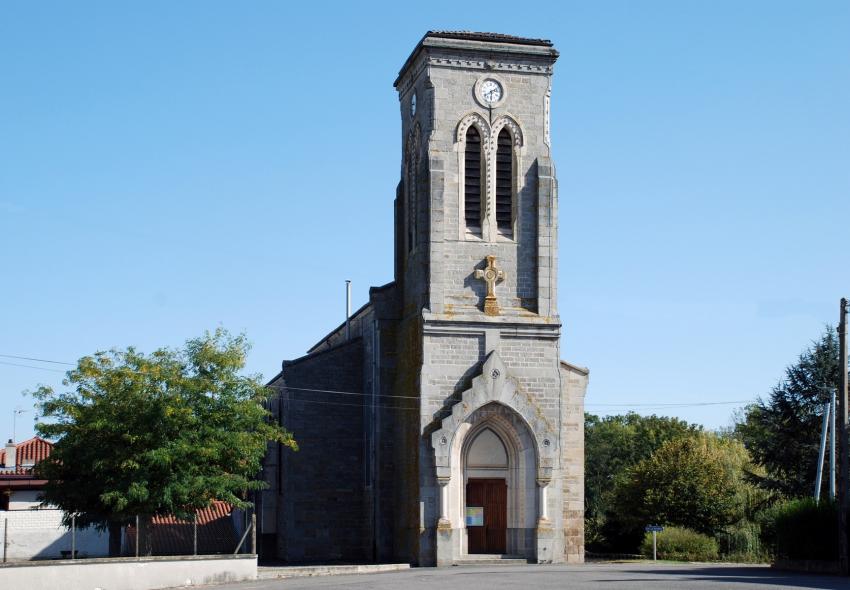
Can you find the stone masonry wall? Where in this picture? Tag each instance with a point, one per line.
(445, 97)
(322, 516)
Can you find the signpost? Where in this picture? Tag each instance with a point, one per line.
(654, 529)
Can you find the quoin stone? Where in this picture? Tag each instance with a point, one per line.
(444, 424)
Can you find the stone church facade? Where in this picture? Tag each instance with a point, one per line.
(440, 422)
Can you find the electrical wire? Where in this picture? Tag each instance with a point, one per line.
(31, 367)
(29, 358)
(646, 405)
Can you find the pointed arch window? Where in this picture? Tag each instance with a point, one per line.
(472, 181)
(504, 183)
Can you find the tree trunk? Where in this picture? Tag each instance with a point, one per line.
(145, 535)
(114, 538)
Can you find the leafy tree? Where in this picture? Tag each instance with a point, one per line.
(698, 482)
(165, 433)
(612, 445)
(782, 432)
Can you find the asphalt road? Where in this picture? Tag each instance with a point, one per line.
(608, 576)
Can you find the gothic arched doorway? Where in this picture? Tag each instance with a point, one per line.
(497, 488)
(486, 475)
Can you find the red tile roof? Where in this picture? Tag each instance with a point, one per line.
(28, 453)
(172, 536)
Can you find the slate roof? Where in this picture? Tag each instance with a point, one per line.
(483, 36)
(28, 453)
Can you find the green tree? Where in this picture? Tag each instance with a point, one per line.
(782, 432)
(698, 482)
(165, 433)
(612, 445)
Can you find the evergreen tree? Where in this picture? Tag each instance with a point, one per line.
(782, 432)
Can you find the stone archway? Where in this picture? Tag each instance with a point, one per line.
(498, 424)
(495, 403)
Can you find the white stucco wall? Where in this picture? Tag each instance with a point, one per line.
(128, 573)
(39, 534)
(24, 499)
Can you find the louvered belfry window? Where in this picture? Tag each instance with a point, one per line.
(504, 182)
(472, 181)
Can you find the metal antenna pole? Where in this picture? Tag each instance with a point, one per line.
(15, 414)
(821, 451)
(843, 428)
(347, 309)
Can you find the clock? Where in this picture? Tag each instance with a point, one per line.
(491, 91)
(413, 105)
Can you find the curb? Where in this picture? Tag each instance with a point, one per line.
(272, 573)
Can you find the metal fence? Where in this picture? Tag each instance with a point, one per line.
(29, 534)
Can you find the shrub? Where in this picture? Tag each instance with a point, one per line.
(742, 543)
(681, 544)
(804, 529)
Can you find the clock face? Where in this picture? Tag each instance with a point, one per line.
(413, 105)
(491, 91)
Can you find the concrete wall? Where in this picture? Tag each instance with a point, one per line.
(128, 574)
(39, 534)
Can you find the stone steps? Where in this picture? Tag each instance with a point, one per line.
(491, 559)
(278, 572)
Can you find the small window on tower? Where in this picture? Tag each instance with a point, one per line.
(504, 184)
(472, 181)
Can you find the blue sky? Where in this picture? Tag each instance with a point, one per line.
(171, 167)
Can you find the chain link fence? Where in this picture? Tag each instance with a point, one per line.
(32, 534)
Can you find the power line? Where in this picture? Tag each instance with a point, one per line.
(29, 358)
(312, 401)
(647, 405)
(351, 392)
(32, 367)
(674, 405)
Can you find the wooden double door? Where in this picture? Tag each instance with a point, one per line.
(490, 536)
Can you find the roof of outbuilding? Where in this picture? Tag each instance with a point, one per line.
(484, 36)
(172, 536)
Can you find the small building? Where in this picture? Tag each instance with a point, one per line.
(439, 422)
(19, 488)
(32, 530)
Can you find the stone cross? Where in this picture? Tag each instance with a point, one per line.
(491, 275)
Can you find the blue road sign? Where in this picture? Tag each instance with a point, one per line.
(653, 528)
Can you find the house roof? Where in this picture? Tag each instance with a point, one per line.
(28, 453)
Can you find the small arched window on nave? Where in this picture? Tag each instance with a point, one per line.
(504, 184)
(472, 181)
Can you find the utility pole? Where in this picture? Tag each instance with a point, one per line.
(832, 446)
(843, 430)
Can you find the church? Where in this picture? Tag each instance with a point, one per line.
(438, 423)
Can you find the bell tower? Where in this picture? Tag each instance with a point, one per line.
(477, 179)
(478, 335)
